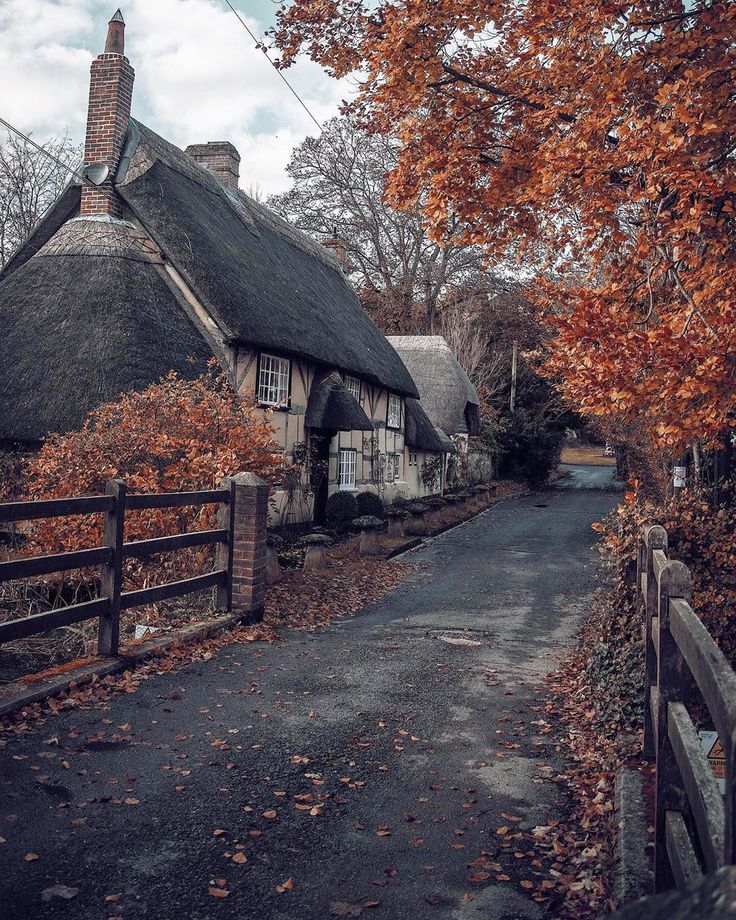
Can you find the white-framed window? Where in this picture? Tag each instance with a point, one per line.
(273, 380)
(352, 385)
(392, 467)
(412, 458)
(393, 417)
(347, 464)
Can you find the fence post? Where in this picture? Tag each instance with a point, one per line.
(729, 843)
(675, 581)
(249, 511)
(108, 634)
(655, 537)
(226, 521)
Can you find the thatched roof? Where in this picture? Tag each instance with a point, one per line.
(86, 315)
(63, 209)
(333, 407)
(447, 395)
(421, 433)
(266, 283)
(90, 315)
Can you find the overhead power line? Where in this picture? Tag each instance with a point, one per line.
(42, 150)
(259, 44)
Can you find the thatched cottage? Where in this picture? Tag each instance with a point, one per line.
(447, 396)
(167, 263)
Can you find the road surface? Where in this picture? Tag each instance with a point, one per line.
(579, 476)
(371, 761)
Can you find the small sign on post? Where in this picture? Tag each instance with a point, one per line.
(711, 746)
(679, 477)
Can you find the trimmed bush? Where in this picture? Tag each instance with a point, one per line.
(370, 503)
(341, 508)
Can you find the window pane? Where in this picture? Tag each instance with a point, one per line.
(347, 468)
(352, 384)
(394, 412)
(273, 381)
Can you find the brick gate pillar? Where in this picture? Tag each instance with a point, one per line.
(249, 512)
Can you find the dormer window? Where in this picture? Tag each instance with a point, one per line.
(273, 380)
(393, 417)
(352, 385)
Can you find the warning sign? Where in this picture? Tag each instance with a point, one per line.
(711, 746)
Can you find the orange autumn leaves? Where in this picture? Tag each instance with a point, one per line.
(593, 142)
(174, 436)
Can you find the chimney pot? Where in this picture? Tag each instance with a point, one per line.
(340, 249)
(108, 114)
(221, 158)
(115, 42)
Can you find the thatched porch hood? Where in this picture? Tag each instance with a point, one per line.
(86, 315)
(332, 407)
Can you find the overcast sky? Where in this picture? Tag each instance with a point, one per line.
(198, 76)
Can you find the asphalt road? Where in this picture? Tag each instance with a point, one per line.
(368, 762)
(579, 476)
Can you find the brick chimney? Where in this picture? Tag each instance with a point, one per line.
(221, 158)
(110, 96)
(339, 247)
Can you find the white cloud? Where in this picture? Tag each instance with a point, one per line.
(42, 65)
(198, 77)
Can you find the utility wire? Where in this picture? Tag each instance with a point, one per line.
(259, 44)
(42, 150)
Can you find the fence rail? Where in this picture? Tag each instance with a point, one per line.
(695, 826)
(112, 553)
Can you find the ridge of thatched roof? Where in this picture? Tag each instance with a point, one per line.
(445, 390)
(92, 314)
(333, 407)
(421, 434)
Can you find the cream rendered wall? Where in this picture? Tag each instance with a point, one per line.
(372, 447)
(414, 484)
(290, 431)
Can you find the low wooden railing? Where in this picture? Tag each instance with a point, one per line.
(112, 553)
(695, 826)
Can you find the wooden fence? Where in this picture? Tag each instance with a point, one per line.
(113, 552)
(695, 826)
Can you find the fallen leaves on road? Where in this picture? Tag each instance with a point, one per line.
(65, 892)
(311, 599)
(345, 909)
(288, 885)
(301, 600)
(218, 892)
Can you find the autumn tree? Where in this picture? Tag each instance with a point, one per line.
(29, 183)
(176, 435)
(482, 325)
(602, 136)
(339, 188)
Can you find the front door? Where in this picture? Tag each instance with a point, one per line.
(319, 473)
